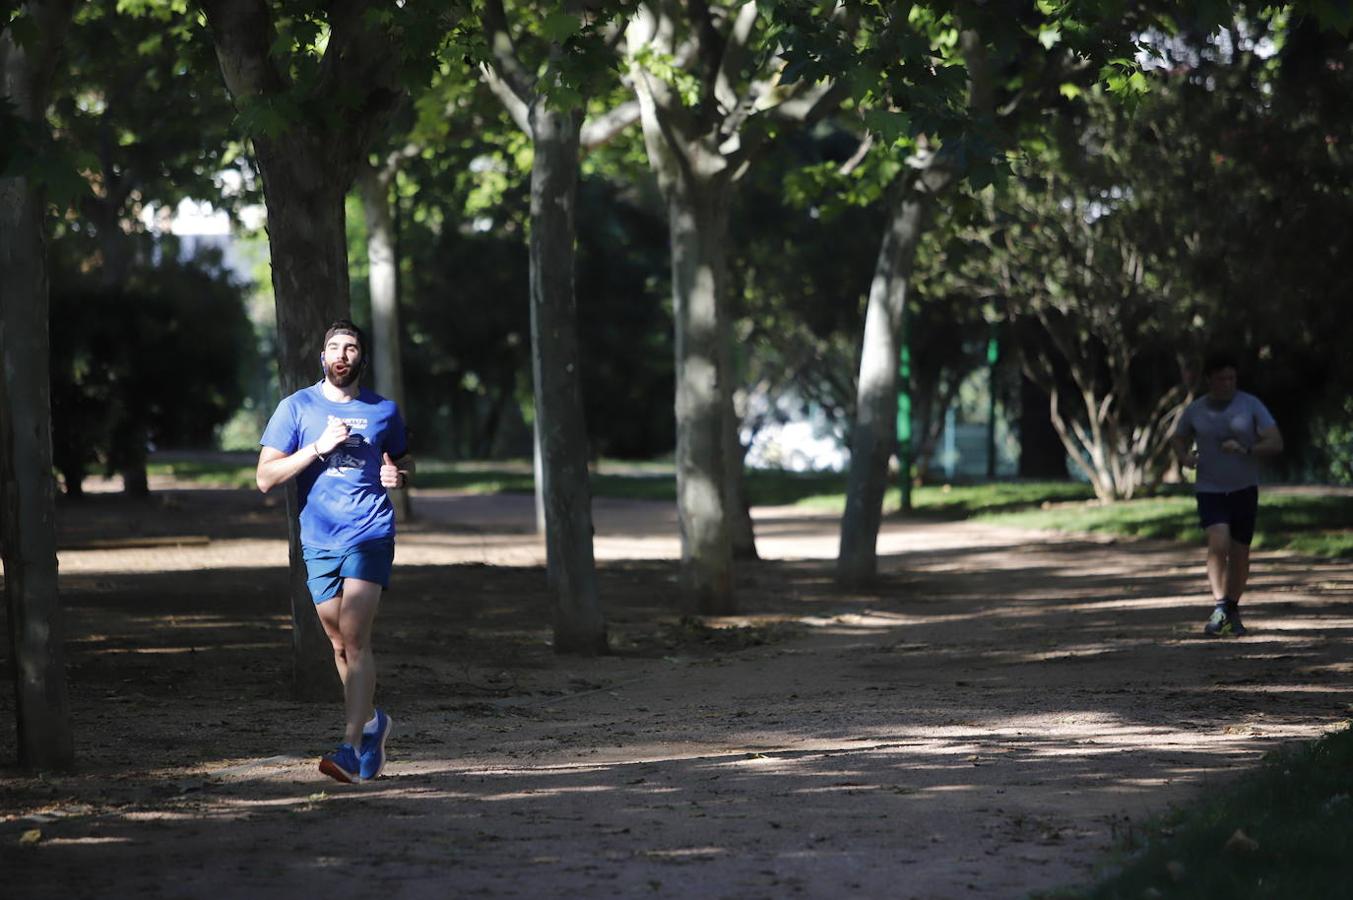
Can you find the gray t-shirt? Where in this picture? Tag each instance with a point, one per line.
(1243, 418)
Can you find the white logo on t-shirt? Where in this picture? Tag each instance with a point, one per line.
(346, 455)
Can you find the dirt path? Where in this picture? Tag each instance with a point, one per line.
(982, 724)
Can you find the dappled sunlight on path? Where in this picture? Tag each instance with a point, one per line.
(981, 722)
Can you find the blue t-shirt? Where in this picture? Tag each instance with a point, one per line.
(1241, 419)
(342, 500)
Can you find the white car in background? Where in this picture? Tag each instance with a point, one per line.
(799, 446)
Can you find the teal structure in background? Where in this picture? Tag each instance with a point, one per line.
(904, 449)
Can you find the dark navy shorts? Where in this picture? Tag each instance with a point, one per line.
(1235, 508)
(326, 569)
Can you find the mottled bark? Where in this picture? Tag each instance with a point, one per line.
(27, 490)
(698, 219)
(308, 246)
(696, 165)
(579, 626)
(563, 491)
(699, 144)
(873, 437)
(383, 266)
(741, 535)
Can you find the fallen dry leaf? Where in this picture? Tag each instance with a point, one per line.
(30, 837)
(1240, 842)
(1176, 870)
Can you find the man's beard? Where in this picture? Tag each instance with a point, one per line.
(341, 374)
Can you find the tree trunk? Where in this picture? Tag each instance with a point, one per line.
(741, 534)
(873, 438)
(27, 491)
(307, 242)
(579, 626)
(307, 168)
(74, 478)
(132, 461)
(116, 252)
(383, 262)
(698, 218)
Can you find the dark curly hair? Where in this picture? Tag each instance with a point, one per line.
(1219, 359)
(345, 326)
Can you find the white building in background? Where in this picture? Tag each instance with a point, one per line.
(200, 226)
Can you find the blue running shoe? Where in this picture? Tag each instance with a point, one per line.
(342, 765)
(373, 747)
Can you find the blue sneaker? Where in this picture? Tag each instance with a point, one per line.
(373, 747)
(342, 765)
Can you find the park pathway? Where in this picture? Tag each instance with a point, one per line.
(983, 723)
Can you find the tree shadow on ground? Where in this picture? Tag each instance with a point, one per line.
(997, 701)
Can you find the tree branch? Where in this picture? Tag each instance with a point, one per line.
(661, 112)
(606, 127)
(516, 107)
(709, 47)
(360, 57)
(244, 34)
(808, 105)
(734, 54)
(506, 63)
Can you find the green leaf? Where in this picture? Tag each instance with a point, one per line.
(150, 45)
(559, 27)
(1049, 37)
(1069, 91)
(889, 125)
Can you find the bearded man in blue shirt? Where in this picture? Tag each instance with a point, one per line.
(346, 446)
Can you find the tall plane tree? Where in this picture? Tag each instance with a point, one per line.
(313, 91)
(29, 45)
(928, 173)
(711, 92)
(376, 186)
(543, 82)
(1016, 66)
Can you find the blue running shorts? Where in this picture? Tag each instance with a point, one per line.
(326, 569)
(1238, 509)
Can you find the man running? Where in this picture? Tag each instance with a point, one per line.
(1231, 430)
(346, 446)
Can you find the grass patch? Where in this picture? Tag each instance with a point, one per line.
(824, 491)
(474, 479)
(965, 501)
(1303, 523)
(208, 473)
(655, 481)
(1295, 815)
(632, 481)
